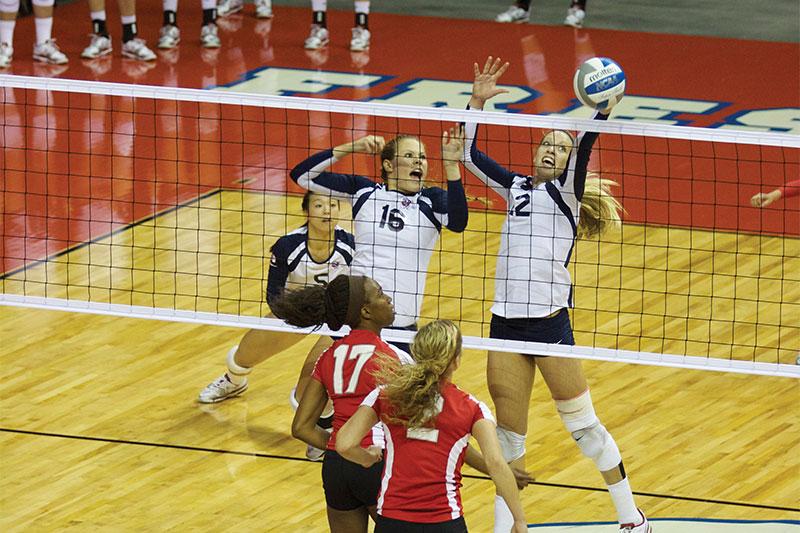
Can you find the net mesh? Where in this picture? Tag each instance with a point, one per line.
(165, 203)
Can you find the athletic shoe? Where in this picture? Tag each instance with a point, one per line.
(360, 39)
(318, 38)
(221, 389)
(209, 37)
(48, 52)
(264, 9)
(100, 45)
(169, 37)
(6, 55)
(514, 14)
(137, 49)
(229, 7)
(575, 16)
(644, 527)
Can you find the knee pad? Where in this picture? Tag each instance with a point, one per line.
(512, 445)
(9, 6)
(593, 439)
(44, 3)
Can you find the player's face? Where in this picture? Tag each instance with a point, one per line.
(409, 168)
(552, 155)
(378, 303)
(323, 211)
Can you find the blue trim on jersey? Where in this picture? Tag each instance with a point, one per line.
(345, 183)
(358, 204)
(584, 153)
(452, 202)
(427, 210)
(562, 205)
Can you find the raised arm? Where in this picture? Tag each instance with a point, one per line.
(484, 432)
(311, 173)
(482, 166)
(452, 148)
(575, 174)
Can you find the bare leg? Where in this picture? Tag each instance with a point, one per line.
(354, 521)
(127, 8)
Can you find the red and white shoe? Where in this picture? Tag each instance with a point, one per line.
(643, 527)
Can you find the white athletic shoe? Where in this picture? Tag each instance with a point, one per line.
(169, 37)
(229, 7)
(264, 9)
(644, 527)
(318, 38)
(360, 39)
(48, 52)
(6, 55)
(514, 14)
(137, 49)
(209, 37)
(221, 389)
(575, 16)
(100, 45)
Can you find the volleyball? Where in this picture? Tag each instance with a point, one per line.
(599, 83)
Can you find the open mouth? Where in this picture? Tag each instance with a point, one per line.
(416, 174)
(549, 161)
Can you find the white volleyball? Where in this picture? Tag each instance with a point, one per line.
(599, 83)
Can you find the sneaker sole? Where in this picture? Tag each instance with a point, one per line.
(263, 16)
(43, 59)
(101, 54)
(231, 12)
(128, 55)
(211, 45)
(233, 394)
(168, 46)
(318, 47)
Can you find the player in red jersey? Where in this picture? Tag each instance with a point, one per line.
(427, 423)
(343, 373)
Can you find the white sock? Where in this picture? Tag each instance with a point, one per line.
(621, 495)
(319, 5)
(361, 6)
(170, 5)
(98, 15)
(129, 19)
(503, 519)
(44, 29)
(208, 4)
(7, 31)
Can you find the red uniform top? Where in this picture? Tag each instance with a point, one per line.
(345, 370)
(791, 189)
(422, 473)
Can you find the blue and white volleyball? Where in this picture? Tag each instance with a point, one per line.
(599, 83)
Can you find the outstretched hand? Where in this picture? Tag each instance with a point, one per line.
(484, 86)
(763, 199)
(453, 144)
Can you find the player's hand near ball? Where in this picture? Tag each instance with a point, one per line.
(485, 85)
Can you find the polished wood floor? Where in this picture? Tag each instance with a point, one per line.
(100, 429)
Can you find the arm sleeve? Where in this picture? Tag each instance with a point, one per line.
(277, 276)
(791, 189)
(449, 207)
(574, 176)
(484, 167)
(311, 174)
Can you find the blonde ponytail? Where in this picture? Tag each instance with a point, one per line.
(413, 390)
(600, 210)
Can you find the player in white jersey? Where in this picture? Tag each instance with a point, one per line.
(396, 223)
(547, 212)
(313, 254)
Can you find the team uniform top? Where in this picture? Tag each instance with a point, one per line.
(395, 233)
(539, 231)
(346, 371)
(291, 266)
(422, 473)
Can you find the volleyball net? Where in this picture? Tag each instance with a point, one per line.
(163, 203)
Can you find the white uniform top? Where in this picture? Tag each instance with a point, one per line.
(291, 266)
(539, 232)
(394, 233)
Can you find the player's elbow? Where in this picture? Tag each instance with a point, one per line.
(458, 224)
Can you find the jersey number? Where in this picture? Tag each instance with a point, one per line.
(520, 203)
(321, 278)
(360, 352)
(392, 219)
